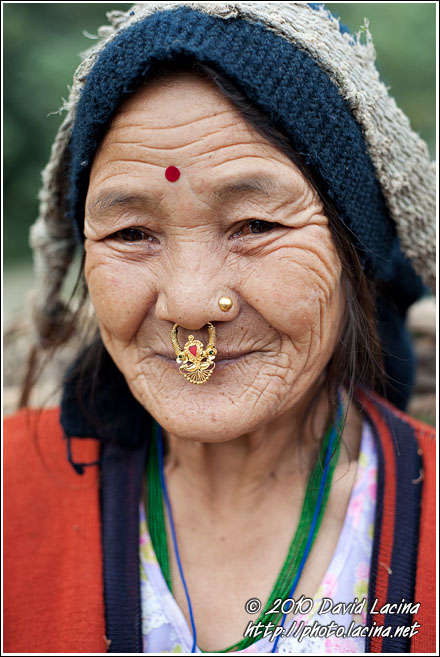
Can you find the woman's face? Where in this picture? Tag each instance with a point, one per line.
(240, 221)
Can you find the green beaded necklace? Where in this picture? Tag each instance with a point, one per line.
(282, 586)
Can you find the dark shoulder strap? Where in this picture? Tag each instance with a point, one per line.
(122, 472)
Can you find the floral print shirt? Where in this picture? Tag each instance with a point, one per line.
(322, 624)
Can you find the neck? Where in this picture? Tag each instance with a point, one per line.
(245, 469)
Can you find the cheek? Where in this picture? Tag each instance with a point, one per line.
(121, 293)
(299, 292)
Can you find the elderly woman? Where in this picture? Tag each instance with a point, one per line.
(231, 468)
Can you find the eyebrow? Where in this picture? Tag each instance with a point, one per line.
(115, 199)
(259, 184)
(263, 185)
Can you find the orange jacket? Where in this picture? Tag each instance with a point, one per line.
(53, 575)
(53, 587)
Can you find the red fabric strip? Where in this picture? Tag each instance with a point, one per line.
(425, 640)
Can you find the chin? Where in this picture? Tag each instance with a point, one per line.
(206, 412)
(210, 430)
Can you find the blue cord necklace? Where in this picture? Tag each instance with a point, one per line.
(173, 533)
(326, 474)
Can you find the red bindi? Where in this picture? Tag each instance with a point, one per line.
(172, 174)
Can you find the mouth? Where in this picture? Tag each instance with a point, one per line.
(221, 359)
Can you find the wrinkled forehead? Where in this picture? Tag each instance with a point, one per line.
(184, 124)
(176, 112)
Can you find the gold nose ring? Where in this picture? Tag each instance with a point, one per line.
(196, 362)
(225, 304)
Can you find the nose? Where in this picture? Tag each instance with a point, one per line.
(190, 297)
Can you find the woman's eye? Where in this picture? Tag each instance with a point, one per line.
(258, 226)
(132, 235)
(255, 226)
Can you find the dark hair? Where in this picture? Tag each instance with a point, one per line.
(357, 358)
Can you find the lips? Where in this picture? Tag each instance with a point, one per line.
(221, 355)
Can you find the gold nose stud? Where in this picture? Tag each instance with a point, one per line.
(225, 304)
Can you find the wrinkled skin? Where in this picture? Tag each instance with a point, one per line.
(152, 262)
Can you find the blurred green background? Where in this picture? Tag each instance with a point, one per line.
(42, 42)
